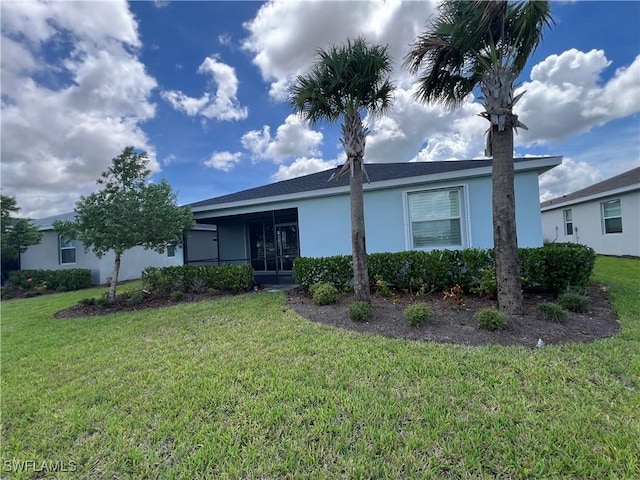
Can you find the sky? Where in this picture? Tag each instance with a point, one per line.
(202, 88)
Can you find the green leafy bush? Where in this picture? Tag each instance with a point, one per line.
(491, 318)
(136, 298)
(574, 302)
(197, 278)
(87, 301)
(102, 301)
(359, 311)
(417, 314)
(336, 271)
(552, 311)
(324, 294)
(69, 279)
(487, 285)
(177, 296)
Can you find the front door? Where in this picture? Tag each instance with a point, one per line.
(273, 247)
(287, 245)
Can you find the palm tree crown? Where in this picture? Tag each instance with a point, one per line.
(345, 79)
(467, 37)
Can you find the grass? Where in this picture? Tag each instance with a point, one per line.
(243, 387)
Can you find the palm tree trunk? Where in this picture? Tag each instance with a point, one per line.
(114, 279)
(354, 138)
(504, 223)
(358, 241)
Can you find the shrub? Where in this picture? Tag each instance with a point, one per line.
(324, 294)
(87, 301)
(197, 278)
(491, 318)
(487, 284)
(418, 314)
(552, 311)
(136, 298)
(359, 311)
(336, 271)
(455, 293)
(382, 288)
(177, 295)
(574, 302)
(102, 302)
(69, 279)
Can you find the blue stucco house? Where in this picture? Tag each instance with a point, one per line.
(422, 205)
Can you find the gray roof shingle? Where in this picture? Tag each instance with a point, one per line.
(377, 172)
(625, 179)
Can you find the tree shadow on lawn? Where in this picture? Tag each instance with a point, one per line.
(452, 322)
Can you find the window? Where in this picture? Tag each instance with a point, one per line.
(612, 216)
(568, 222)
(67, 250)
(171, 251)
(435, 218)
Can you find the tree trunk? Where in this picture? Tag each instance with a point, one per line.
(358, 240)
(505, 240)
(114, 279)
(353, 139)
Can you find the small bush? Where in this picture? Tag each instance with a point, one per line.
(30, 293)
(136, 298)
(491, 318)
(574, 302)
(70, 279)
(382, 288)
(87, 301)
(487, 283)
(102, 302)
(359, 311)
(324, 294)
(177, 296)
(552, 311)
(197, 278)
(418, 314)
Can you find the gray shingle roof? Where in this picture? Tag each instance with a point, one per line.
(377, 172)
(46, 223)
(625, 179)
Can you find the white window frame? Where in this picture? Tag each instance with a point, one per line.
(465, 228)
(568, 222)
(605, 218)
(66, 244)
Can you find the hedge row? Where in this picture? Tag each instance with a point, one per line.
(197, 278)
(553, 266)
(67, 280)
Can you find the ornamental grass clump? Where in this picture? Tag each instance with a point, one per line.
(491, 318)
(324, 294)
(418, 314)
(574, 302)
(552, 312)
(359, 311)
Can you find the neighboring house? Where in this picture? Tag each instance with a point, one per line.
(55, 252)
(604, 216)
(421, 205)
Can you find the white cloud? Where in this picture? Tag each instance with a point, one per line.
(224, 161)
(302, 166)
(281, 53)
(221, 105)
(61, 128)
(225, 39)
(566, 95)
(293, 138)
(566, 178)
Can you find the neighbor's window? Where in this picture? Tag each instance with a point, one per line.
(568, 222)
(171, 251)
(612, 216)
(435, 218)
(67, 250)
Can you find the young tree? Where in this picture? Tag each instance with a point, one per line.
(345, 82)
(128, 212)
(485, 44)
(18, 234)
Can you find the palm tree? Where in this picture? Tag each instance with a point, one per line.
(347, 81)
(485, 44)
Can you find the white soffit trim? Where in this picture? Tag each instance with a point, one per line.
(595, 196)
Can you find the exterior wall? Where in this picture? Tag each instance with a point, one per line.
(325, 222)
(587, 219)
(202, 247)
(45, 256)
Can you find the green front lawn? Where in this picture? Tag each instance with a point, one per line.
(243, 387)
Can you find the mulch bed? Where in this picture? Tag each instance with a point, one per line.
(454, 323)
